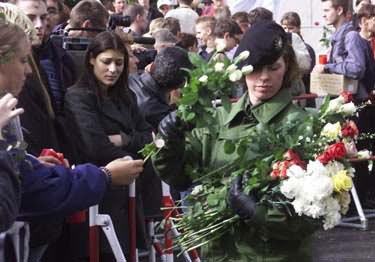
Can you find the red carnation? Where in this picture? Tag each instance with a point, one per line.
(291, 155)
(294, 158)
(349, 129)
(348, 97)
(337, 150)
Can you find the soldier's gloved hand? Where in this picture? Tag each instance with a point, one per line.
(172, 127)
(243, 204)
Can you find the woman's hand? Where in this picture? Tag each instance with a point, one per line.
(242, 204)
(8, 110)
(124, 171)
(49, 161)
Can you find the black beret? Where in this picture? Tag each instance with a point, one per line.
(265, 41)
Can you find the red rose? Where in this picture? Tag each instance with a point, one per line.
(337, 150)
(325, 158)
(348, 97)
(349, 129)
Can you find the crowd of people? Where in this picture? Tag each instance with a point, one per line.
(96, 94)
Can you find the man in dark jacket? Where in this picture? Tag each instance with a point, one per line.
(156, 90)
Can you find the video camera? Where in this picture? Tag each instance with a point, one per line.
(118, 20)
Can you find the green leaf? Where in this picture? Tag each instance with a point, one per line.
(196, 59)
(229, 147)
(325, 105)
(212, 200)
(190, 116)
(189, 99)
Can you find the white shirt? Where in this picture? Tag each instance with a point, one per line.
(187, 18)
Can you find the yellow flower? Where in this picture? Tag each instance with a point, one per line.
(342, 182)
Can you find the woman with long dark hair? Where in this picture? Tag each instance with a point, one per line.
(108, 124)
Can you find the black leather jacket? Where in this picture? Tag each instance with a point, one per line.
(151, 99)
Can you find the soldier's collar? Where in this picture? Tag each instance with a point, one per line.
(265, 111)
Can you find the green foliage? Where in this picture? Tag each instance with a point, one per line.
(195, 105)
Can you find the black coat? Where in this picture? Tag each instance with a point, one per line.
(92, 123)
(95, 121)
(10, 191)
(151, 99)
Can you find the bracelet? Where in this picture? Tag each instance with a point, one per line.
(108, 175)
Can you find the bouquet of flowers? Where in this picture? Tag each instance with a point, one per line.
(300, 167)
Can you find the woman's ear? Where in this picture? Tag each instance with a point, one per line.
(92, 61)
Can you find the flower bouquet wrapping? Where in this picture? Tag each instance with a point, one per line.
(300, 167)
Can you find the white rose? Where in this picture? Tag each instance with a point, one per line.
(203, 79)
(219, 67)
(220, 47)
(197, 190)
(242, 56)
(332, 131)
(364, 154)
(235, 76)
(334, 105)
(348, 109)
(231, 68)
(247, 69)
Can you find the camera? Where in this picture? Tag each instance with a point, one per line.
(118, 20)
(75, 43)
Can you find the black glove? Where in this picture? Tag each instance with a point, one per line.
(171, 127)
(243, 204)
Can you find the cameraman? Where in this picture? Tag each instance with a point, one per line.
(88, 15)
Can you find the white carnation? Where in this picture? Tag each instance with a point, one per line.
(317, 187)
(316, 167)
(334, 167)
(333, 217)
(344, 201)
(295, 171)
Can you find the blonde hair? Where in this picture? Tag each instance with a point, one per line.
(10, 35)
(12, 14)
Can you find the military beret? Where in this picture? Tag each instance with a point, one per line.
(265, 41)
